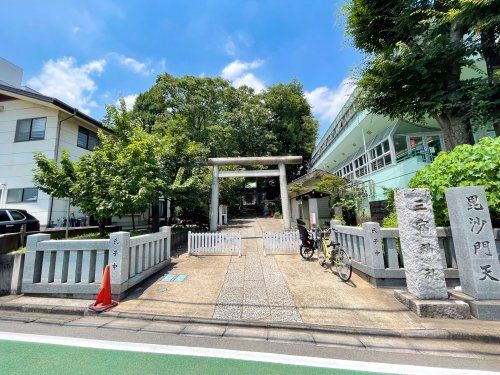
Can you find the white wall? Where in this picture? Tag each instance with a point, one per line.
(68, 141)
(10, 73)
(16, 158)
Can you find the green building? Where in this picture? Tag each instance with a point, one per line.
(376, 152)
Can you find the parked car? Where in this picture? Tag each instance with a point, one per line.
(11, 221)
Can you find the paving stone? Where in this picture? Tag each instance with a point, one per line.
(236, 268)
(393, 344)
(289, 336)
(246, 333)
(203, 330)
(255, 312)
(229, 312)
(19, 316)
(259, 277)
(56, 319)
(126, 324)
(234, 280)
(164, 327)
(254, 276)
(335, 339)
(254, 285)
(231, 295)
(285, 314)
(276, 300)
(90, 321)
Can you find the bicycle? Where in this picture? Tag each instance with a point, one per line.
(330, 254)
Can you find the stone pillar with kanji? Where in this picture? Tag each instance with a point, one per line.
(119, 243)
(477, 256)
(419, 244)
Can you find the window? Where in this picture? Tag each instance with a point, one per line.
(380, 156)
(22, 195)
(30, 129)
(401, 147)
(14, 195)
(30, 194)
(16, 215)
(4, 216)
(87, 139)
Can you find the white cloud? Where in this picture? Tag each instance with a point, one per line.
(69, 82)
(249, 80)
(326, 103)
(129, 101)
(133, 64)
(239, 73)
(75, 29)
(230, 47)
(237, 68)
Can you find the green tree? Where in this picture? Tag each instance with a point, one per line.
(291, 120)
(56, 179)
(416, 54)
(466, 165)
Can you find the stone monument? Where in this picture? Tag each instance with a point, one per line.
(419, 244)
(477, 256)
(427, 295)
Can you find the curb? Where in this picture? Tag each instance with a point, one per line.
(440, 334)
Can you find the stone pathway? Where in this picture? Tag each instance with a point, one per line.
(254, 287)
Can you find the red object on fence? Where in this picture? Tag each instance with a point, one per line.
(104, 301)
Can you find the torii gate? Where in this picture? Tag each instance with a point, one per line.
(281, 161)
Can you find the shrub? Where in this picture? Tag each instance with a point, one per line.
(339, 218)
(390, 221)
(466, 165)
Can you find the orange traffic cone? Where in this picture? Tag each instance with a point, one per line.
(103, 301)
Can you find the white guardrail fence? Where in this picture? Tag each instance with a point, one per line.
(284, 242)
(376, 251)
(214, 243)
(75, 267)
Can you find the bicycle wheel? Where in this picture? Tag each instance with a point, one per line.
(306, 252)
(343, 265)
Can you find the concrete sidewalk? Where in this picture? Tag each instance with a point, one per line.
(265, 291)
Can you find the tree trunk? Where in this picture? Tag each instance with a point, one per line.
(454, 124)
(455, 131)
(496, 126)
(490, 50)
(102, 227)
(133, 222)
(172, 212)
(155, 217)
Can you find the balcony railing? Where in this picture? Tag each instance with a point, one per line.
(340, 124)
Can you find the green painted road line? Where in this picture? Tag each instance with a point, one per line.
(33, 358)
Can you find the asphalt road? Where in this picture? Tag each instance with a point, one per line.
(78, 359)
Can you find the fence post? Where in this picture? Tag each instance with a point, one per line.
(168, 241)
(33, 261)
(119, 244)
(373, 245)
(333, 225)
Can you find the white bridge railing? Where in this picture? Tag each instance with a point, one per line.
(281, 242)
(214, 243)
(75, 267)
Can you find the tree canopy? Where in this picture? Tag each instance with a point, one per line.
(230, 121)
(421, 61)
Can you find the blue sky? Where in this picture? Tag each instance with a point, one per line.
(89, 53)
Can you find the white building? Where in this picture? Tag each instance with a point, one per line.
(29, 123)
